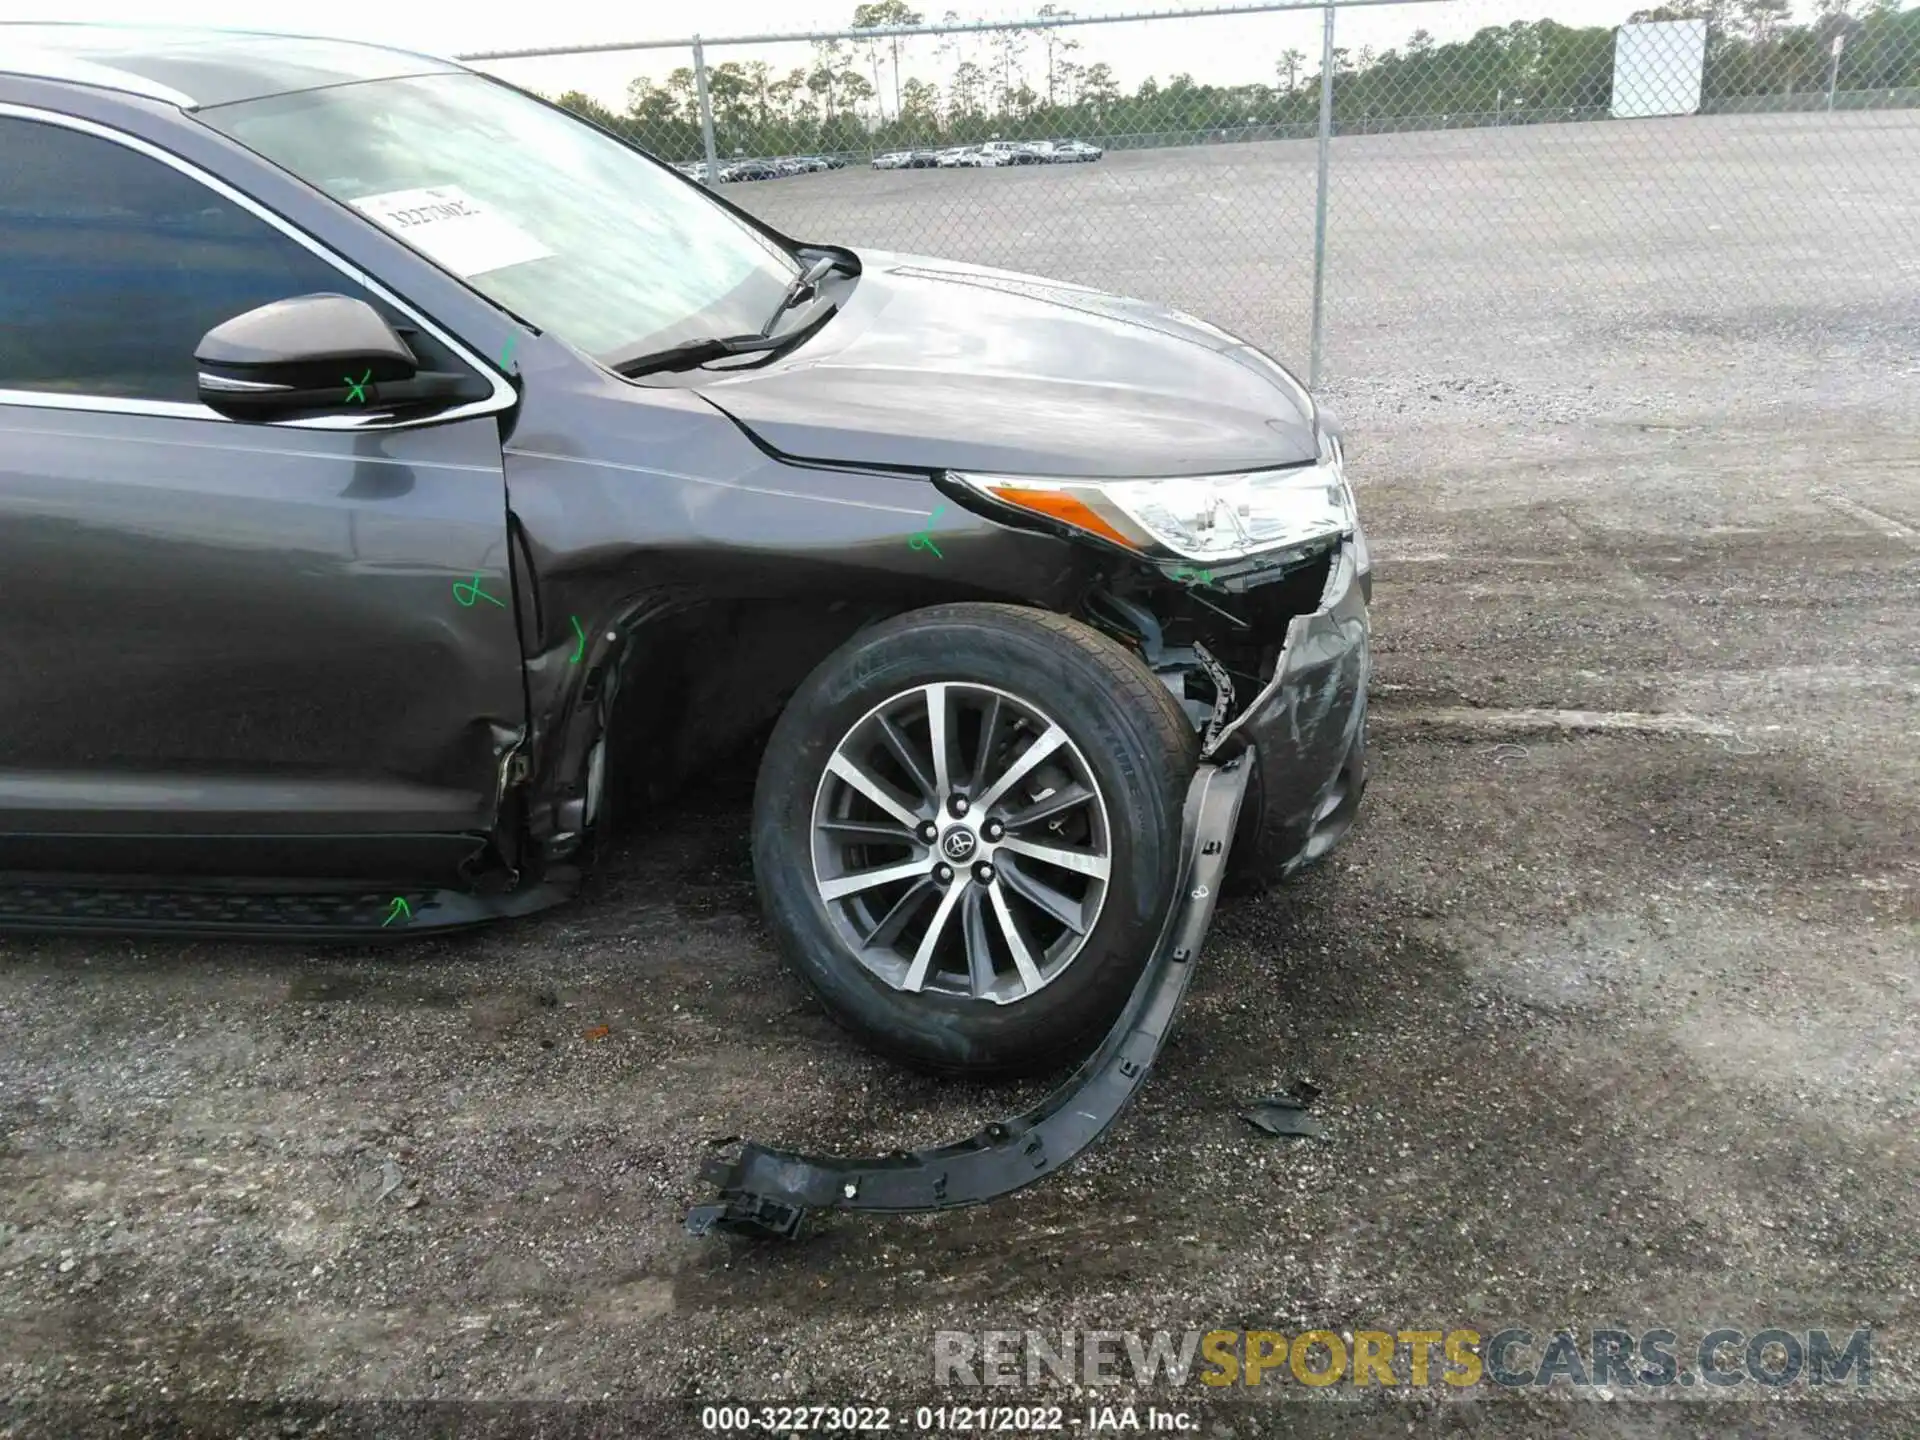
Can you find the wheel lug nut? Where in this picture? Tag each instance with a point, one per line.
(994, 830)
(943, 873)
(983, 872)
(959, 804)
(929, 832)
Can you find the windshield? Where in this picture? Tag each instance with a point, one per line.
(559, 223)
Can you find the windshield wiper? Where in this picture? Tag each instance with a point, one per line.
(803, 283)
(691, 353)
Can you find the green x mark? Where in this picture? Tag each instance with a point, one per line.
(474, 594)
(357, 389)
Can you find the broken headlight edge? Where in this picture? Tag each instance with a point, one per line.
(1235, 516)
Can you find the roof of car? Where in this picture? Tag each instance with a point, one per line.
(195, 67)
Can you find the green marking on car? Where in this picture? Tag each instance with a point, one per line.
(474, 593)
(923, 539)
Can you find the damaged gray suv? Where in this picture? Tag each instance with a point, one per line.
(401, 478)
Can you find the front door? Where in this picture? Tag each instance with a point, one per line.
(226, 648)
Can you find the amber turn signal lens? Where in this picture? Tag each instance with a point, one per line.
(1065, 507)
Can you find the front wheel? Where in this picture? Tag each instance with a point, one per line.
(967, 832)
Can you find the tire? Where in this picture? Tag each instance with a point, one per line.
(1127, 751)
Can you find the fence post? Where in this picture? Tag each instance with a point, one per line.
(1320, 199)
(706, 114)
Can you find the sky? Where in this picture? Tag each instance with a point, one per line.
(1223, 51)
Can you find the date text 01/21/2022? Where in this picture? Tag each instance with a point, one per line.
(935, 1419)
(1034, 1419)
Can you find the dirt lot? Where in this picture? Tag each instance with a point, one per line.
(1614, 1012)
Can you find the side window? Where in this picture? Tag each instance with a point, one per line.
(113, 265)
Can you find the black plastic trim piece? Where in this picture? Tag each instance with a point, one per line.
(264, 910)
(766, 1192)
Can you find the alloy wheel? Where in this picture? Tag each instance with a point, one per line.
(961, 843)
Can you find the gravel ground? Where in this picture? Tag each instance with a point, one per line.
(1610, 996)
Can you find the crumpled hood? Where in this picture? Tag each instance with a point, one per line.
(938, 365)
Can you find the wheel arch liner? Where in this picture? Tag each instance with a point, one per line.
(771, 1192)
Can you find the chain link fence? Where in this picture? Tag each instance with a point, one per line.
(1326, 180)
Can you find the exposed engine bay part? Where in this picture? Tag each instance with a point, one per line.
(1301, 702)
(1222, 696)
(765, 1192)
(1212, 640)
(1324, 657)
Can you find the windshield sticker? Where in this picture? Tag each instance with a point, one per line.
(453, 228)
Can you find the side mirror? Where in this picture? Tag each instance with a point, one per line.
(316, 354)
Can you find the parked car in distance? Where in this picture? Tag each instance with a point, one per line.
(1038, 152)
(892, 160)
(1007, 152)
(975, 158)
(954, 156)
(749, 170)
(923, 159)
(1075, 151)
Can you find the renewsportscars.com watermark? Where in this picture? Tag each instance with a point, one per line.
(1657, 1359)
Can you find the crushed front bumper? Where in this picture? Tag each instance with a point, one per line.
(1307, 728)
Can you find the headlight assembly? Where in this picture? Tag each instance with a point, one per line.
(1193, 517)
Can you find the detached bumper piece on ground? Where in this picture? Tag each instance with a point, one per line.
(771, 1192)
(1280, 783)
